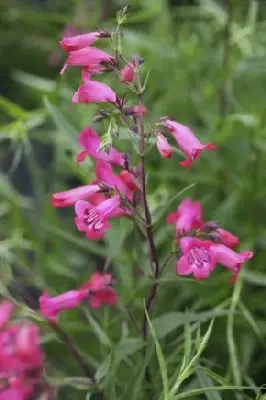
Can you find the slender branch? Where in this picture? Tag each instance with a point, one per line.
(152, 248)
(65, 339)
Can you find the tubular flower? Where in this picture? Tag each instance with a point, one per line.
(225, 237)
(89, 57)
(99, 290)
(74, 43)
(187, 142)
(187, 217)
(163, 146)
(94, 92)
(92, 220)
(70, 197)
(21, 358)
(229, 258)
(90, 141)
(197, 258)
(50, 307)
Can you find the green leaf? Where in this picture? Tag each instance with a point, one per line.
(126, 347)
(103, 368)
(101, 335)
(195, 392)
(161, 359)
(168, 322)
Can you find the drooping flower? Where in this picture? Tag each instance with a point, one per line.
(74, 43)
(70, 197)
(229, 258)
(92, 220)
(90, 141)
(50, 307)
(94, 92)
(163, 146)
(225, 237)
(99, 290)
(186, 141)
(197, 258)
(89, 57)
(187, 217)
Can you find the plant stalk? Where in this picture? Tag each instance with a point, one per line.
(148, 219)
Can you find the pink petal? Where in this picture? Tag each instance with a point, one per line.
(108, 206)
(95, 235)
(81, 206)
(186, 243)
(183, 267)
(80, 41)
(171, 218)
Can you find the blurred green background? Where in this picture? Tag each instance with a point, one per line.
(208, 70)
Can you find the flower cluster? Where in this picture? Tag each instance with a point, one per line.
(97, 291)
(199, 257)
(21, 358)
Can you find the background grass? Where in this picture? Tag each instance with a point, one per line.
(208, 70)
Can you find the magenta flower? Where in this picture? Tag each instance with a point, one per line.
(21, 358)
(94, 92)
(225, 237)
(197, 258)
(93, 219)
(89, 57)
(163, 146)
(90, 141)
(99, 290)
(229, 258)
(70, 197)
(187, 217)
(187, 142)
(74, 43)
(50, 307)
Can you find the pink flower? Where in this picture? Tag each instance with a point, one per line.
(89, 57)
(93, 219)
(225, 237)
(164, 148)
(197, 258)
(187, 217)
(21, 358)
(70, 197)
(80, 41)
(50, 307)
(128, 72)
(229, 258)
(90, 141)
(99, 290)
(187, 142)
(94, 92)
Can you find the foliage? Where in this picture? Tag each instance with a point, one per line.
(207, 79)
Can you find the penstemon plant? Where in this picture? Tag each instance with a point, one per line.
(120, 190)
